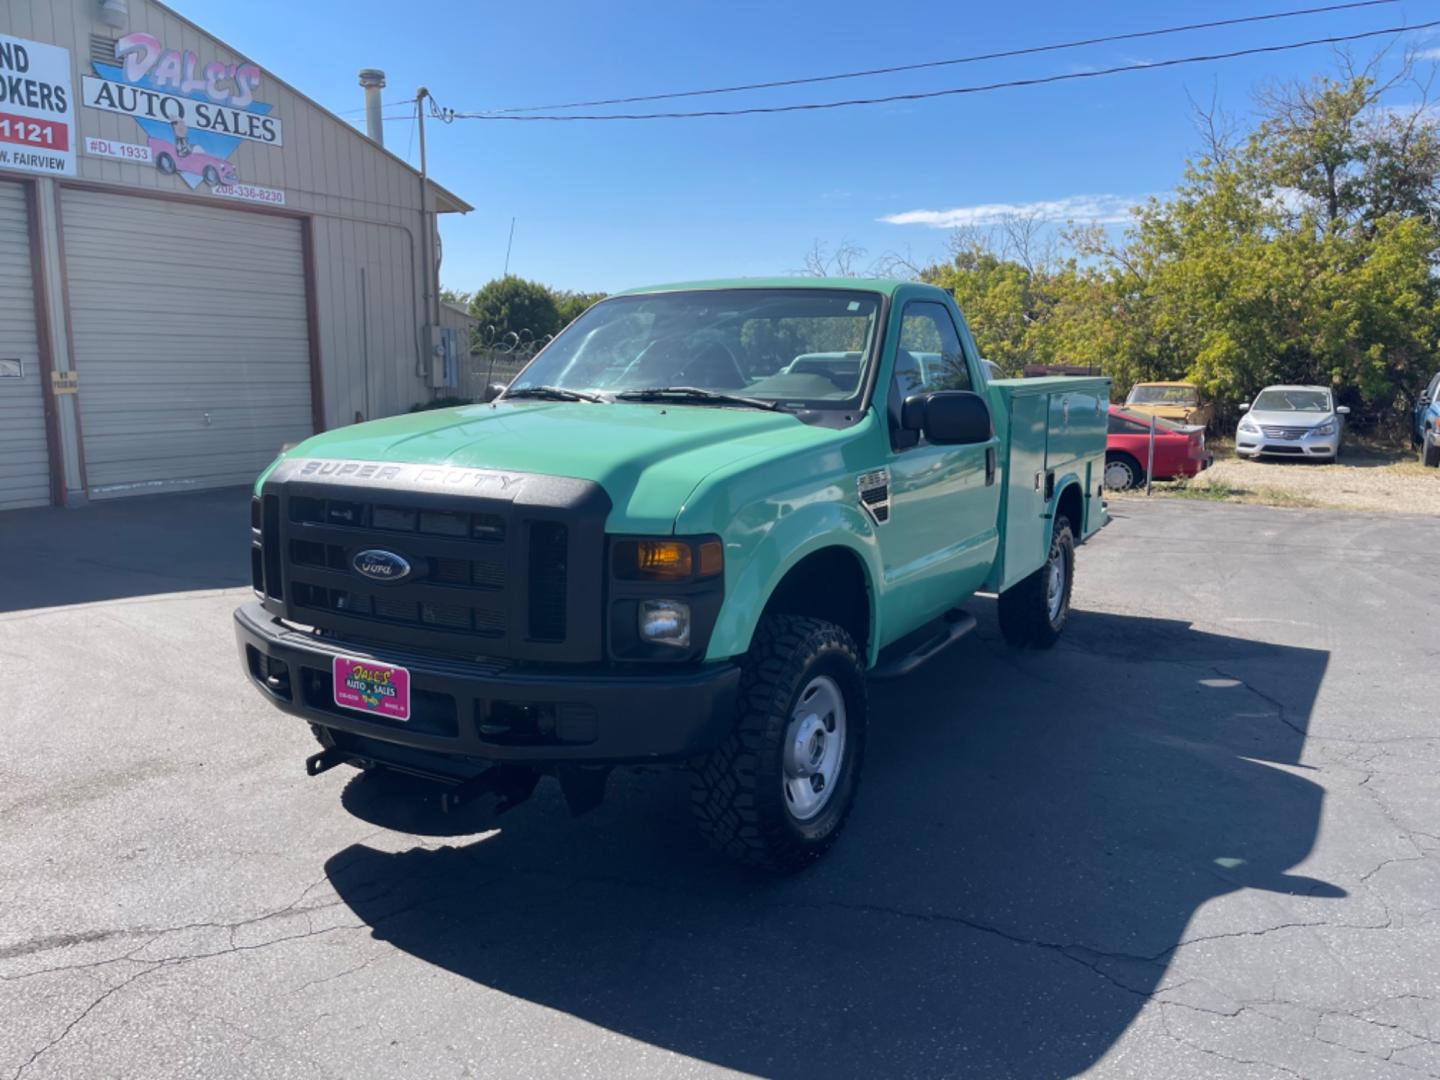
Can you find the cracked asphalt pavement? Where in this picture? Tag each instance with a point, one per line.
(1200, 838)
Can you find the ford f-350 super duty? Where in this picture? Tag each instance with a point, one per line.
(687, 532)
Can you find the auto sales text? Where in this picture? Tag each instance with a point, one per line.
(201, 115)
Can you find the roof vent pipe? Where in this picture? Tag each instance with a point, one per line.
(373, 80)
(114, 13)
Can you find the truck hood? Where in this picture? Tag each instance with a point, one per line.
(647, 457)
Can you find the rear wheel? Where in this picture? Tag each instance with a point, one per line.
(1034, 612)
(777, 791)
(1122, 472)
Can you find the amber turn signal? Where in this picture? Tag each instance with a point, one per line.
(712, 558)
(669, 560)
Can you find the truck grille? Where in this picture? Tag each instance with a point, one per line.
(483, 577)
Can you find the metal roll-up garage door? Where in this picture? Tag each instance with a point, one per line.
(24, 456)
(190, 338)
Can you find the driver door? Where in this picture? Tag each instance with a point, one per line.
(943, 533)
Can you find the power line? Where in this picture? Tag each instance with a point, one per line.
(954, 91)
(1006, 54)
(362, 108)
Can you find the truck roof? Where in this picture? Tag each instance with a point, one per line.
(887, 286)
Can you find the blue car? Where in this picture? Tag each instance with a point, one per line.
(1427, 424)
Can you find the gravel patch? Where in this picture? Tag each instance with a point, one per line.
(1381, 481)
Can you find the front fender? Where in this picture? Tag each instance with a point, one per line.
(766, 550)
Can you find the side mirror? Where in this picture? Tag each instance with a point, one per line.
(1245, 407)
(1424, 400)
(493, 391)
(1343, 410)
(949, 417)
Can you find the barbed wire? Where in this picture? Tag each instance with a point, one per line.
(522, 344)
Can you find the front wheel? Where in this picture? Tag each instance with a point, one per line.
(777, 791)
(1429, 453)
(1034, 612)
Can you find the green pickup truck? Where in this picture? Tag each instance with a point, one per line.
(687, 532)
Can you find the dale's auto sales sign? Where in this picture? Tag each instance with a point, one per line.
(37, 130)
(166, 88)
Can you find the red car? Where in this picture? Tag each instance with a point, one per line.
(1179, 449)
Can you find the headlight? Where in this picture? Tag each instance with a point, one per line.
(663, 597)
(1249, 427)
(1323, 429)
(665, 622)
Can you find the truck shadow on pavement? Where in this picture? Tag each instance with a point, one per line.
(139, 546)
(1034, 834)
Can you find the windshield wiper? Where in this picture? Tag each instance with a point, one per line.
(695, 393)
(552, 393)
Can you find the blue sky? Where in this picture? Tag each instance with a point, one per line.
(606, 206)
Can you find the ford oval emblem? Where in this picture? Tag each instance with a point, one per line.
(379, 565)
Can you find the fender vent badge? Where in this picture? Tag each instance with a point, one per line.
(874, 488)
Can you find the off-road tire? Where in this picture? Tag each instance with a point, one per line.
(737, 791)
(1429, 454)
(1024, 609)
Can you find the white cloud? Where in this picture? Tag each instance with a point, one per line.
(1099, 209)
(1428, 54)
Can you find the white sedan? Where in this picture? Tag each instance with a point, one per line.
(1292, 421)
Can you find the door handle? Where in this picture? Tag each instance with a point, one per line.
(989, 466)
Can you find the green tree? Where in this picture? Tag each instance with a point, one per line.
(571, 305)
(1304, 252)
(512, 305)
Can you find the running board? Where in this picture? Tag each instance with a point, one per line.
(957, 625)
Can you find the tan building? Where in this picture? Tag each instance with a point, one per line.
(197, 263)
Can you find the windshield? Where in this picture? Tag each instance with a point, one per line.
(1163, 395)
(1292, 401)
(801, 348)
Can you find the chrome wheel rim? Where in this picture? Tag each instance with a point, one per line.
(814, 749)
(1055, 584)
(1118, 476)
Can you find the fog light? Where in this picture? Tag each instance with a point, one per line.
(665, 622)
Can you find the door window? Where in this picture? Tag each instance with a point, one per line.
(930, 356)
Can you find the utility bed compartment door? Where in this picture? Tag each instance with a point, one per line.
(1025, 523)
(1077, 429)
(1075, 447)
(1056, 432)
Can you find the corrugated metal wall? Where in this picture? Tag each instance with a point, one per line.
(190, 378)
(371, 356)
(24, 460)
(365, 201)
